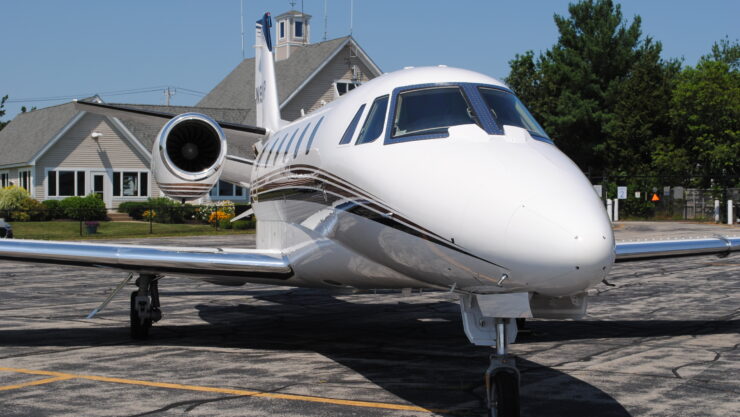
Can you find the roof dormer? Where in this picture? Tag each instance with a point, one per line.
(293, 31)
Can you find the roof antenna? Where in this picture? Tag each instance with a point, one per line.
(305, 27)
(325, 20)
(242, 20)
(351, 15)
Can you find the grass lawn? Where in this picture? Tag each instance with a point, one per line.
(70, 230)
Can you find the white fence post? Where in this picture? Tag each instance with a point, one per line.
(730, 214)
(609, 209)
(716, 211)
(616, 209)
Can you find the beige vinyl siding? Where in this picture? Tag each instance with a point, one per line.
(78, 150)
(321, 87)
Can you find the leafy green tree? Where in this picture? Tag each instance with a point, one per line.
(596, 87)
(705, 112)
(2, 111)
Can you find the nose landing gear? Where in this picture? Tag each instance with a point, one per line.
(502, 379)
(489, 320)
(145, 306)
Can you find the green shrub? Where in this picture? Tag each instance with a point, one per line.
(12, 197)
(242, 224)
(135, 209)
(90, 207)
(636, 208)
(16, 204)
(225, 224)
(33, 210)
(53, 209)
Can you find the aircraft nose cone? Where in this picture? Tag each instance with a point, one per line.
(568, 245)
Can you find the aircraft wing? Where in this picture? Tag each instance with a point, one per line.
(657, 249)
(223, 266)
(233, 131)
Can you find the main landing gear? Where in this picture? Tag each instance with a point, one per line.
(145, 306)
(485, 324)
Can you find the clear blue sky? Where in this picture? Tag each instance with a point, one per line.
(77, 47)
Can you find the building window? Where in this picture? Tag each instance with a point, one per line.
(130, 184)
(282, 30)
(343, 87)
(226, 189)
(298, 29)
(24, 178)
(65, 183)
(4, 179)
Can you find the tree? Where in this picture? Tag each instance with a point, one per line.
(705, 113)
(596, 87)
(2, 111)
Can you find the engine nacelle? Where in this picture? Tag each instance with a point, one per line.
(188, 156)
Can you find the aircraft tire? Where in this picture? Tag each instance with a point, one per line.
(139, 331)
(504, 395)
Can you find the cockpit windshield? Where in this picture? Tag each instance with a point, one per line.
(506, 109)
(430, 111)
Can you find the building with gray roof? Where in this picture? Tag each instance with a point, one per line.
(56, 152)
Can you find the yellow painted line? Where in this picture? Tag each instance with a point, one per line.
(58, 376)
(32, 383)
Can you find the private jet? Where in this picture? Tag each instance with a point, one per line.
(427, 178)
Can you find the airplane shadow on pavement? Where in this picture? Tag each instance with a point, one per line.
(416, 351)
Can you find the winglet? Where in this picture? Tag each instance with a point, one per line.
(265, 91)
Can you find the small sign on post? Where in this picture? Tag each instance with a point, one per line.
(598, 190)
(622, 193)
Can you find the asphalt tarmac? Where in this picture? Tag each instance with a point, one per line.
(662, 342)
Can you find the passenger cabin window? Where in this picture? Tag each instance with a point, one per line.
(347, 137)
(269, 153)
(430, 111)
(506, 109)
(313, 135)
(277, 151)
(374, 122)
(300, 139)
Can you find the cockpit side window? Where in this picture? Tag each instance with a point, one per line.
(374, 122)
(506, 109)
(430, 111)
(347, 137)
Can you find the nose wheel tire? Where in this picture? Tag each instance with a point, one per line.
(504, 395)
(139, 328)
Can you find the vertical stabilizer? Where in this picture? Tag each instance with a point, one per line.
(265, 87)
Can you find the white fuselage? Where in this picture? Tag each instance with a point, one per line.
(460, 211)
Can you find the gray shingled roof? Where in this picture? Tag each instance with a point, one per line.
(236, 91)
(29, 132)
(293, 13)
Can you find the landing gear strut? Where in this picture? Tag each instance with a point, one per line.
(486, 324)
(145, 306)
(502, 378)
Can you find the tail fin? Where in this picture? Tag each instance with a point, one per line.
(265, 86)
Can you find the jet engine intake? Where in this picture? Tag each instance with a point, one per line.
(188, 156)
